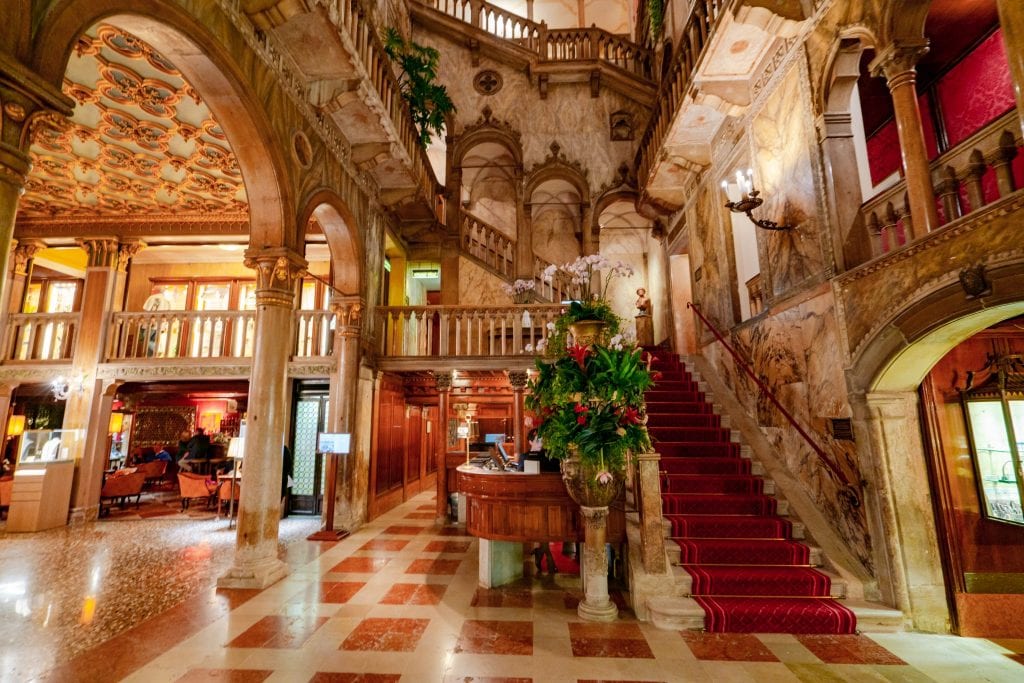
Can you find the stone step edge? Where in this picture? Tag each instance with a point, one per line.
(799, 530)
(684, 614)
(675, 553)
(684, 582)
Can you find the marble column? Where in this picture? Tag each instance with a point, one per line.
(349, 511)
(444, 387)
(518, 380)
(590, 240)
(652, 530)
(86, 390)
(844, 197)
(256, 564)
(899, 506)
(6, 395)
(1011, 21)
(596, 605)
(896, 62)
(524, 233)
(18, 275)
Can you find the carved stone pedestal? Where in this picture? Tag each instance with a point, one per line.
(596, 606)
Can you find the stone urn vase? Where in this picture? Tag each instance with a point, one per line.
(587, 332)
(593, 497)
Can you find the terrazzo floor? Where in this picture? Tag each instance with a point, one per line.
(396, 601)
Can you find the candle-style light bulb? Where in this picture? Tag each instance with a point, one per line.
(750, 180)
(725, 187)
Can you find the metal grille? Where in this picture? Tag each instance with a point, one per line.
(307, 422)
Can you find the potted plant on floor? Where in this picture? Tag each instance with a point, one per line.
(589, 396)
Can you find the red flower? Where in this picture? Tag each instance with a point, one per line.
(582, 419)
(580, 408)
(630, 416)
(656, 375)
(579, 353)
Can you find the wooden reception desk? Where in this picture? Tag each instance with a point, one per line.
(513, 506)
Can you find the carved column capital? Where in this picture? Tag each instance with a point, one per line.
(24, 252)
(277, 270)
(897, 62)
(518, 379)
(443, 381)
(126, 252)
(101, 251)
(348, 315)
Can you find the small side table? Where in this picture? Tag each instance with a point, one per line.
(233, 476)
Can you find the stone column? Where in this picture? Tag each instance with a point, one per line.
(595, 606)
(13, 296)
(125, 253)
(1011, 20)
(897, 62)
(518, 379)
(590, 240)
(86, 397)
(652, 531)
(899, 503)
(6, 394)
(348, 313)
(444, 387)
(256, 564)
(844, 197)
(524, 234)
(450, 250)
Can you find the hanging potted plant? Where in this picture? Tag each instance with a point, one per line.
(428, 100)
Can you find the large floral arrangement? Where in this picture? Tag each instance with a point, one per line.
(590, 398)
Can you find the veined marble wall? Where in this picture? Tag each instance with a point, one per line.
(580, 124)
(478, 287)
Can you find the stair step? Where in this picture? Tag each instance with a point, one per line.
(691, 434)
(679, 407)
(729, 526)
(743, 551)
(719, 483)
(837, 587)
(685, 420)
(700, 449)
(875, 618)
(721, 504)
(706, 466)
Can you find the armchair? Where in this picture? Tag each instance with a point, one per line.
(193, 486)
(154, 471)
(6, 484)
(120, 489)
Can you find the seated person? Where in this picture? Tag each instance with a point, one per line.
(537, 452)
(163, 454)
(148, 455)
(197, 449)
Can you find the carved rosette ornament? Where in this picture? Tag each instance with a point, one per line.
(277, 270)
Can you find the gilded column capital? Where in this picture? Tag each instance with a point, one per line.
(518, 379)
(277, 270)
(126, 252)
(348, 314)
(897, 62)
(24, 252)
(443, 381)
(101, 251)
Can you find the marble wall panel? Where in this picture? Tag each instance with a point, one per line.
(710, 261)
(478, 287)
(554, 235)
(580, 124)
(783, 137)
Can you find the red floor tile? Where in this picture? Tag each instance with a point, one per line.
(225, 676)
(502, 597)
(728, 647)
(325, 677)
(451, 531)
(339, 592)
(447, 546)
(848, 650)
(428, 566)
(608, 640)
(360, 565)
(279, 631)
(414, 594)
(608, 680)
(492, 679)
(1017, 658)
(389, 544)
(491, 637)
(404, 529)
(426, 507)
(386, 635)
(420, 515)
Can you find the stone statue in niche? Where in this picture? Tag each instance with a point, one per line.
(644, 324)
(621, 123)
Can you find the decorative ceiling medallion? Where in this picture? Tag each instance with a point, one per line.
(487, 82)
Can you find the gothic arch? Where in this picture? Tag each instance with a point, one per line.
(904, 20)
(343, 239)
(487, 129)
(207, 58)
(558, 167)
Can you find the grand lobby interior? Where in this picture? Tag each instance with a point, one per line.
(229, 230)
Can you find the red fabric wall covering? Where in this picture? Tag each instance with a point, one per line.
(884, 157)
(977, 90)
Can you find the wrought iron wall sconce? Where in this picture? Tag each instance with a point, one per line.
(749, 201)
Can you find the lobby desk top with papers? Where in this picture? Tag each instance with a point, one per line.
(515, 506)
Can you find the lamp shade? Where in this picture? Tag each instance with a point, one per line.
(16, 425)
(236, 448)
(116, 423)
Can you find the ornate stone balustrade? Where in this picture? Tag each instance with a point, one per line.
(968, 177)
(463, 331)
(488, 244)
(558, 289)
(34, 337)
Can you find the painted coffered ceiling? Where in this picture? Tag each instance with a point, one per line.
(141, 141)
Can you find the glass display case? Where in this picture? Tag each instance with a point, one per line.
(46, 445)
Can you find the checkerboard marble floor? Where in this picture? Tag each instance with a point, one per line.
(398, 601)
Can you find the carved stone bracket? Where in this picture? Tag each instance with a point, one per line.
(277, 270)
(443, 381)
(518, 379)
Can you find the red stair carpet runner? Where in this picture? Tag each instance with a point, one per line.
(749, 576)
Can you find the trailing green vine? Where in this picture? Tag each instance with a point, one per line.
(428, 100)
(656, 18)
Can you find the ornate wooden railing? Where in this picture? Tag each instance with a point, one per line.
(459, 331)
(314, 333)
(561, 45)
(971, 175)
(755, 294)
(557, 289)
(488, 244)
(703, 19)
(40, 336)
